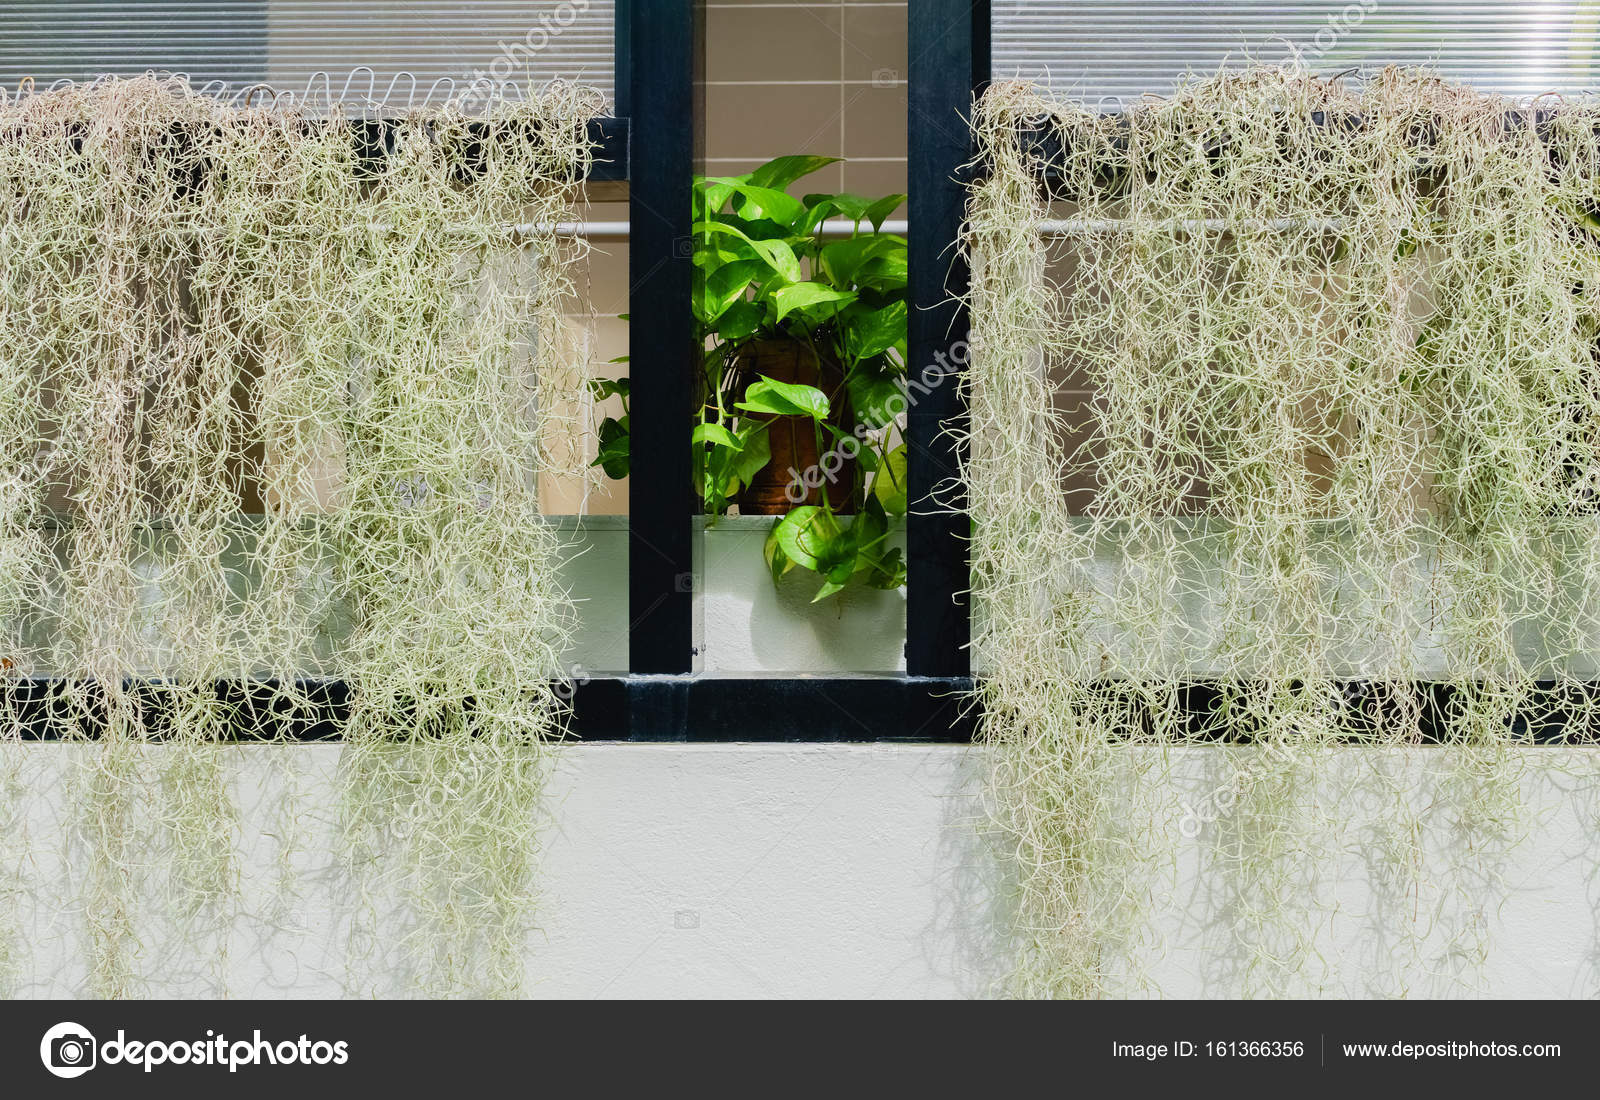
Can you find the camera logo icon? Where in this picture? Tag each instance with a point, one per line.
(68, 1050)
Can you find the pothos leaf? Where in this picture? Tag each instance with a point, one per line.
(805, 535)
(889, 486)
(741, 321)
(785, 399)
(805, 296)
(829, 587)
(603, 388)
(876, 393)
(777, 254)
(782, 171)
(615, 446)
(754, 201)
(778, 562)
(873, 332)
(722, 287)
(716, 433)
(755, 451)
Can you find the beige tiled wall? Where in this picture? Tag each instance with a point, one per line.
(824, 77)
(600, 295)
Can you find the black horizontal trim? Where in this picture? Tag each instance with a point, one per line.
(807, 709)
(636, 708)
(797, 709)
(1044, 146)
(1219, 712)
(610, 137)
(315, 710)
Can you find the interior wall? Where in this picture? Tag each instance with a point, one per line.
(826, 78)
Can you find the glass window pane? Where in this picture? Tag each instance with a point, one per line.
(1119, 51)
(283, 42)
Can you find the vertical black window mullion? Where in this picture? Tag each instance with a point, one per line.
(622, 57)
(949, 61)
(660, 54)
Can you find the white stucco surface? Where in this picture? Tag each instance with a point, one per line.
(744, 623)
(773, 871)
(668, 870)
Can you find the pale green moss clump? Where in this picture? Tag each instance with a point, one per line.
(274, 404)
(1342, 423)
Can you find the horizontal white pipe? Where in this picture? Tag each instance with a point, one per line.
(1049, 227)
(619, 230)
(580, 229)
(1088, 227)
(594, 230)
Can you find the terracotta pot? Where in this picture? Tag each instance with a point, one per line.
(793, 438)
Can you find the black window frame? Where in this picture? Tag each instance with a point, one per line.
(651, 145)
(661, 698)
(933, 701)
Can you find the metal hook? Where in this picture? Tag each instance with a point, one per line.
(372, 79)
(388, 93)
(488, 93)
(248, 95)
(309, 100)
(434, 87)
(1533, 101)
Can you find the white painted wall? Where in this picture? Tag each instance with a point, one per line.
(783, 871)
(743, 622)
(669, 870)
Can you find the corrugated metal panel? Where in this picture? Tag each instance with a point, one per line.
(283, 42)
(1094, 50)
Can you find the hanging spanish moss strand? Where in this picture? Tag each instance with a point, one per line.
(276, 392)
(1333, 484)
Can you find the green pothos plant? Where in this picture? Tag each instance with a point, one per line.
(771, 285)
